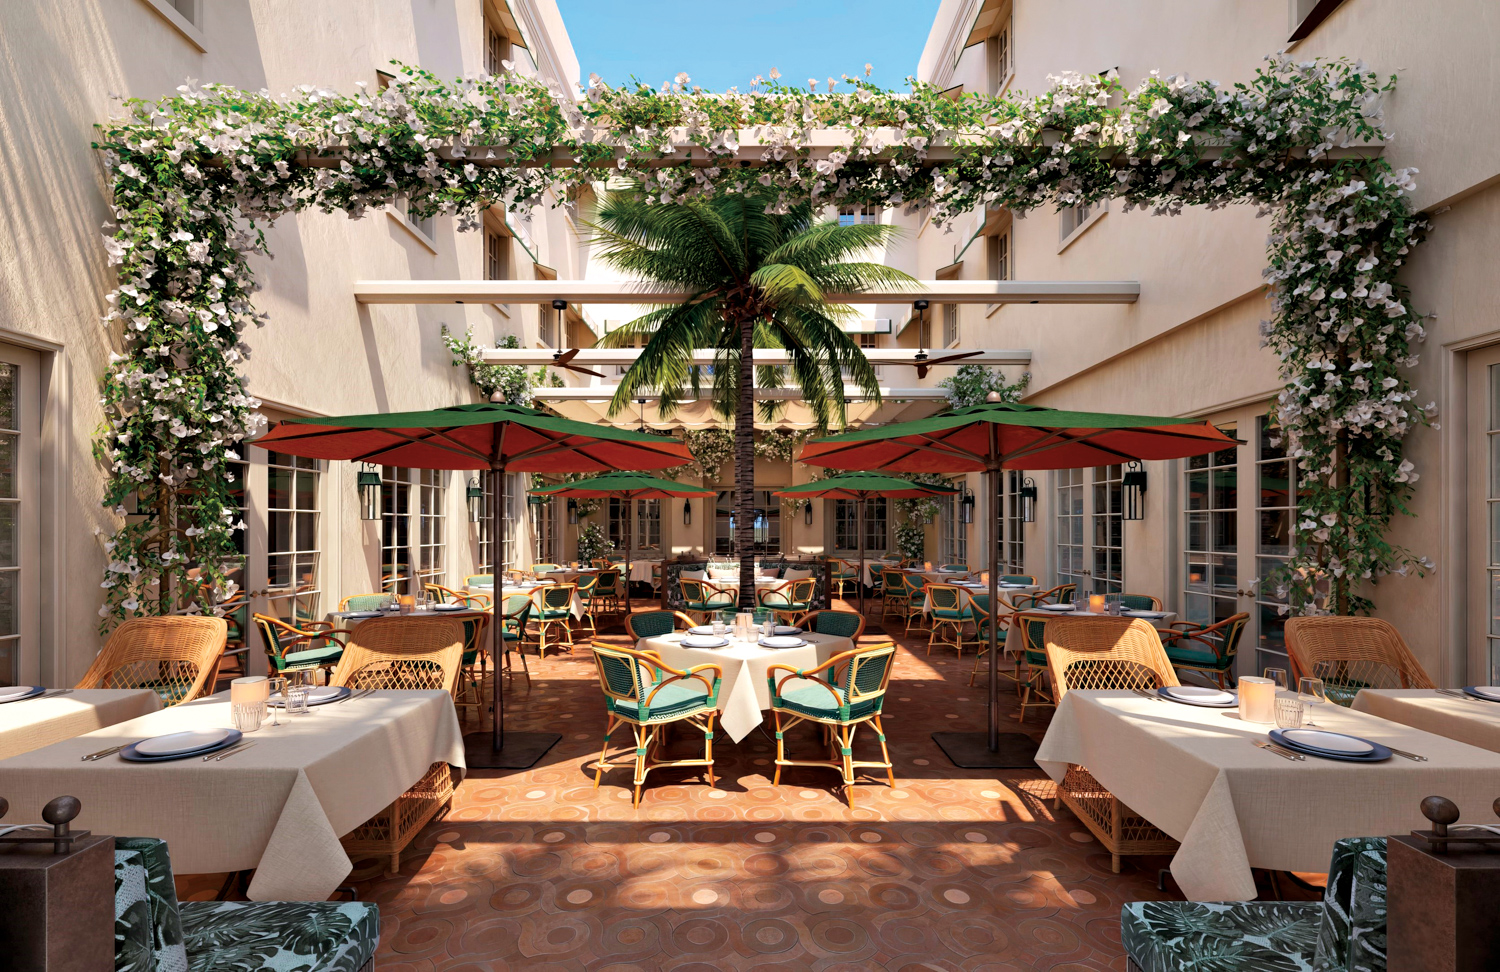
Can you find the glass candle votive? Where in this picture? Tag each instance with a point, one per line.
(1289, 712)
(1096, 603)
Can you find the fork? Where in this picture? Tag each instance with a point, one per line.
(229, 752)
(1411, 756)
(1147, 695)
(1284, 753)
(103, 753)
(1458, 695)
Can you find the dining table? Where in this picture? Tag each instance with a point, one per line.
(1462, 717)
(42, 720)
(1195, 773)
(744, 693)
(1157, 619)
(526, 590)
(966, 592)
(278, 806)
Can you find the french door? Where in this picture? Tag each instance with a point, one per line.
(1483, 515)
(1090, 537)
(20, 515)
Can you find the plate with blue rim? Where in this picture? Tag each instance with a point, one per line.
(15, 693)
(782, 641)
(1489, 693)
(1211, 698)
(180, 745)
(1330, 745)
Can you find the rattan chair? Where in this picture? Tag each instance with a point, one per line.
(842, 624)
(841, 694)
(403, 653)
(1108, 653)
(949, 616)
(979, 607)
(844, 573)
(605, 596)
(1014, 579)
(481, 580)
(1350, 654)
(514, 617)
(475, 673)
(292, 649)
(1207, 649)
(554, 611)
(177, 657)
(1140, 602)
(877, 583)
(893, 592)
(962, 567)
(915, 588)
(1029, 649)
(654, 624)
(1061, 594)
(646, 694)
(789, 602)
(702, 599)
(363, 602)
(544, 568)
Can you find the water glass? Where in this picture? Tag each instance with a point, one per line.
(296, 694)
(719, 628)
(1289, 712)
(247, 716)
(1277, 675)
(1311, 692)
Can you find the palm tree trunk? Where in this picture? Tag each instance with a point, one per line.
(744, 465)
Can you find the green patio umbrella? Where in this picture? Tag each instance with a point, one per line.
(628, 486)
(491, 436)
(860, 486)
(1000, 435)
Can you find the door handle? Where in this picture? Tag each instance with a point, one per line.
(1247, 593)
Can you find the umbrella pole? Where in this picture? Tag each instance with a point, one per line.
(997, 522)
(629, 547)
(859, 526)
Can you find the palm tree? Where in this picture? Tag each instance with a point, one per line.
(756, 279)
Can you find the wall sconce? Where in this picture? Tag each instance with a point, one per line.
(1133, 492)
(966, 506)
(1028, 500)
(807, 513)
(573, 512)
(474, 495)
(687, 512)
(368, 483)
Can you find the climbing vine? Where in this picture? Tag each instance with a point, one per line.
(197, 176)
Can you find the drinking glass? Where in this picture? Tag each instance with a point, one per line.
(296, 694)
(1277, 675)
(1289, 712)
(275, 685)
(247, 716)
(1310, 691)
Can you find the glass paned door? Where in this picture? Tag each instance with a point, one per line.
(1211, 536)
(1108, 530)
(11, 498)
(1090, 531)
(20, 516)
(1072, 565)
(1276, 530)
(395, 529)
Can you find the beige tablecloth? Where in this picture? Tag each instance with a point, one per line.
(1163, 622)
(744, 693)
(1474, 722)
(1194, 773)
(34, 723)
(278, 807)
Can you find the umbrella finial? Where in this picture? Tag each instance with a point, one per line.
(497, 397)
(993, 396)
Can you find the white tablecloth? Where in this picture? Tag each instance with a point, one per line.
(1474, 722)
(868, 578)
(744, 693)
(1193, 772)
(530, 592)
(1163, 622)
(967, 593)
(33, 723)
(278, 807)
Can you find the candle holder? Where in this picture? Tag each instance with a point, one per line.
(1257, 699)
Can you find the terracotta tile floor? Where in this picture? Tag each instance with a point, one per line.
(951, 870)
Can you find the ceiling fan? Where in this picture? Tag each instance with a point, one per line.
(923, 361)
(564, 359)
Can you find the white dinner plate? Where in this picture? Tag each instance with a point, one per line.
(1199, 693)
(787, 629)
(702, 629)
(363, 614)
(175, 743)
(450, 607)
(1488, 691)
(1332, 742)
(1153, 615)
(15, 693)
(781, 641)
(1057, 607)
(704, 641)
(317, 695)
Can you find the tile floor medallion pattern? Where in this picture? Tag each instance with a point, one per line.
(952, 870)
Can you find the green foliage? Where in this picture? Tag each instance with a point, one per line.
(911, 539)
(971, 384)
(593, 543)
(513, 382)
(778, 445)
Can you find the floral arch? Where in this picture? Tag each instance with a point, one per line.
(195, 177)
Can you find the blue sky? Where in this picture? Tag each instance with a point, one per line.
(727, 42)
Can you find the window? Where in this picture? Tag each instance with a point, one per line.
(496, 255)
(953, 545)
(858, 213)
(395, 531)
(1013, 556)
(292, 535)
(1109, 529)
(546, 519)
(514, 488)
(645, 522)
(1308, 14)
(1210, 506)
(1071, 567)
(549, 325)
(496, 48)
(1074, 218)
(188, 9)
(997, 257)
(486, 563)
(869, 342)
(846, 529)
(1276, 530)
(950, 325)
(766, 528)
(638, 341)
(427, 225)
(1002, 58)
(10, 524)
(432, 494)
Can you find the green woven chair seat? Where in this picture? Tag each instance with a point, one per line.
(1252, 936)
(1137, 602)
(554, 614)
(710, 605)
(1197, 655)
(808, 699)
(672, 702)
(953, 614)
(311, 657)
(365, 602)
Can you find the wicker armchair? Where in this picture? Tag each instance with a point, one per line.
(1029, 649)
(403, 653)
(1016, 579)
(1350, 654)
(845, 573)
(544, 568)
(1108, 653)
(844, 624)
(877, 582)
(791, 601)
(893, 592)
(962, 567)
(1061, 594)
(702, 599)
(915, 588)
(654, 624)
(176, 656)
(480, 580)
(554, 610)
(475, 673)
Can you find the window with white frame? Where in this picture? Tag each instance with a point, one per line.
(486, 563)
(496, 255)
(395, 529)
(846, 528)
(644, 528)
(432, 548)
(1210, 492)
(869, 342)
(513, 488)
(550, 325)
(1002, 57)
(11, 514)
(997, 256)
(950, 325)
(426, 225)
(953, 544)
(1108, 529)
(857, 213)
(1276, 535)
(292, 547)
(1072, 218)
(1013, 556)
(1072, 567)
(496, 47)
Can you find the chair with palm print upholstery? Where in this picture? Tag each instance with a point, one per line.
(293, 649)
(841, 694)
(646, 694)
(654, 624)
(1344, 932)
(1207, 649)
(949, 615)
(1107, 653)
(842, 624)
(175, 656)
(790, 601)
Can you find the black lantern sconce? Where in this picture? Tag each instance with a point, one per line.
(966, 506)
(687, 512)
(474, 496)
(1133, 492)
(573, 512)
(1028, 500)
(807, 513)
(368, 483)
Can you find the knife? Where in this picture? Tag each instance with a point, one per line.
(1284, 753)
(230, 751)
(1411, 756)
(104, 752)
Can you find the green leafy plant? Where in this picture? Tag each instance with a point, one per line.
(971, 384)
(593, 544)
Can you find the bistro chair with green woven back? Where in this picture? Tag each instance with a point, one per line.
(586, 584)
(554, 615)
(1026, 579)
(655, 624)
(290, 648)
(1208, 649)
(877, 583)
(474, 672)
(646, 694)
(843, 573)
(950, 614)
(789, 602)
(841, 694)
(235, 610)
(841, 624)
(479, 580)
(894, 592)
(1061, 594)
(979, 608)
(364, 602)
(914, 602)
(949, 567)
(702, 599)
(447, 595)
(1030, 653)
(516, 613)
(605, 596)
(1139, 602)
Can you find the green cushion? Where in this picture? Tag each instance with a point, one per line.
(806, 698)
(311, 657)
(953, 614)
(1197, 654)
(673, 702)
(1249, 936)
(280, 936)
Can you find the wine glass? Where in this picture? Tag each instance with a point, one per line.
(1311, 691)
(1277, 675)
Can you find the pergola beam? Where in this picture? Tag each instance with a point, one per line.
(624, 357)
(852, 393)
(629, 292)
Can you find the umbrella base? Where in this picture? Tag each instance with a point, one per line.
(971, 750)
(522, 750)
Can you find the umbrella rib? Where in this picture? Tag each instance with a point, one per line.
(462, 450)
